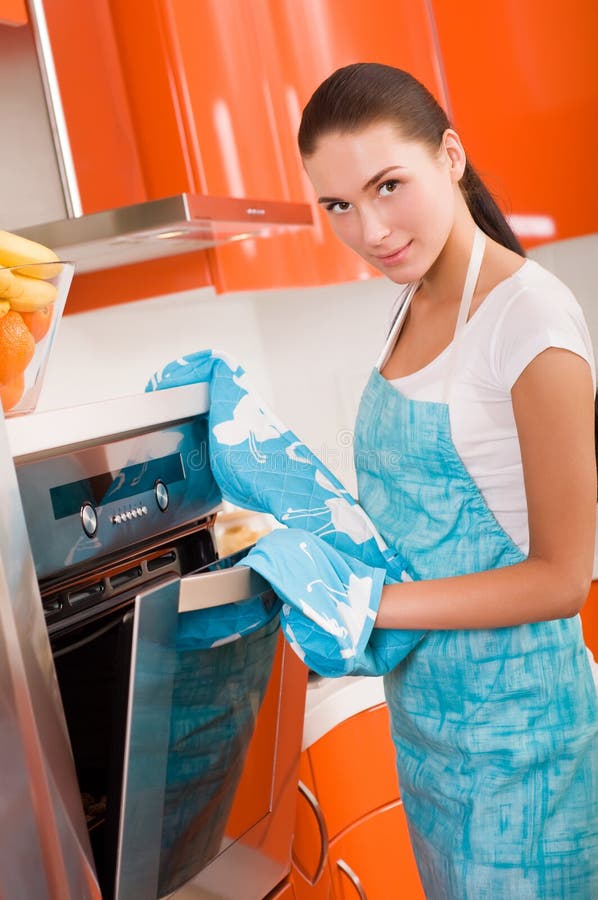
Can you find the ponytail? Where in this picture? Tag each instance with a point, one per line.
(485, 211)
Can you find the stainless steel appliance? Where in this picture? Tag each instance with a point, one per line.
(185, 728)
(39, 192)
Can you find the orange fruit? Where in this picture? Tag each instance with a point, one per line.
(39, 322)
(11, 393)
(16, 346)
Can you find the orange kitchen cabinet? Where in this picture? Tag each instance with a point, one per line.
(284, 891)
(349, 814)
(104, 150)
(153, 278)
(523, 86)
(589, 619)
(95, 102)
(374, 859)
(310, 873)
(307, 42)
(13, 12)
(202, 112)
(216, 91)
(353, 768)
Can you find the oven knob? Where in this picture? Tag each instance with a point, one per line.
(144, 510)
(128, 515)
(89, 519)
(161, 493)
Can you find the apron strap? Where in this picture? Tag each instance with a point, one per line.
(471, 279)
(397, 324)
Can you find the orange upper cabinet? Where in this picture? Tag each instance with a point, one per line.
(523, 84)
(96, 110)
(13, 12)
(103, 145)
(305, 42)
(203, 117)
(216, 90)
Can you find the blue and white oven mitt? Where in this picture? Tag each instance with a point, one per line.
(329, 565)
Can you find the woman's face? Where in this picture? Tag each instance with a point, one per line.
(391, 200)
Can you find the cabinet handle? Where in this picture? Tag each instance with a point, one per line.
(317, 810)
(346, 868)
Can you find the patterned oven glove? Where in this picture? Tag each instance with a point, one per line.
(261, 465)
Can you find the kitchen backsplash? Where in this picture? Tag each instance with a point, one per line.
(307, 351)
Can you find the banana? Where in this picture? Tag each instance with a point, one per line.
(7, 281)
(19, 251)
(29, 294)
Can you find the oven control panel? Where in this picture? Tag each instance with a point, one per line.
(86, 504)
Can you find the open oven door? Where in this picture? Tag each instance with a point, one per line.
(187, 813)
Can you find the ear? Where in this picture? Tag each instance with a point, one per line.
(455, 154)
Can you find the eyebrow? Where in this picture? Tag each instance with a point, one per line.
(375, 178)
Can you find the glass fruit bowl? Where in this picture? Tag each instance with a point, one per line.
(32, 299)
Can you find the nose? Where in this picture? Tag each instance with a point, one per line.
(374, 228)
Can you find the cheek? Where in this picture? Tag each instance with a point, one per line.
(437, 208)
(345, 228)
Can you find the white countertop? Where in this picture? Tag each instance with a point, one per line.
(46, 433)
(332, 700)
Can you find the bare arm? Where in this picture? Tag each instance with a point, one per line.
(553, 404)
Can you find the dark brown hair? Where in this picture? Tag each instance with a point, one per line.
(364, 94)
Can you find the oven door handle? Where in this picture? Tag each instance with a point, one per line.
(207, 589)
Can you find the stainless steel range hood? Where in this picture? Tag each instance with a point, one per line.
(38, 181)
(178, 224)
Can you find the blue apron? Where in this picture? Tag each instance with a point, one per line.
(496, 731)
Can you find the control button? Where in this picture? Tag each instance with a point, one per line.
(134, 513)
(161, 493)
(128, 515)
(144, 510)
(139, 511)
(116, 519)
(52, 608)
(89, 519)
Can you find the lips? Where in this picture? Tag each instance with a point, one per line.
(391, 259)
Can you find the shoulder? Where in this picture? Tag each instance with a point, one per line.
(537, 311)
(534, 294)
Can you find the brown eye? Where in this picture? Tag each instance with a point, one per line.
(388, 187)
(338, 207)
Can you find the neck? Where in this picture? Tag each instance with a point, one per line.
(444, 281)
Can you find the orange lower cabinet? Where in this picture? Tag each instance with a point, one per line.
(589, 619)
(373, 859)
(351, 840)
(310, 873)
(354, 769)
(284, 891)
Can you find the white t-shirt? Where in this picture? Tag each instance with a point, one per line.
(522, 316)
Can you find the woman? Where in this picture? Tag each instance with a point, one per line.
(484, 393)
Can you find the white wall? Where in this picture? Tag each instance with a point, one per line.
(308, 352)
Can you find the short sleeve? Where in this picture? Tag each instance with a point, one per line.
(542, 313)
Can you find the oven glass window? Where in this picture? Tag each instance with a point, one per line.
(216, 699)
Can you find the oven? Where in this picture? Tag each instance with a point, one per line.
(182, 702)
